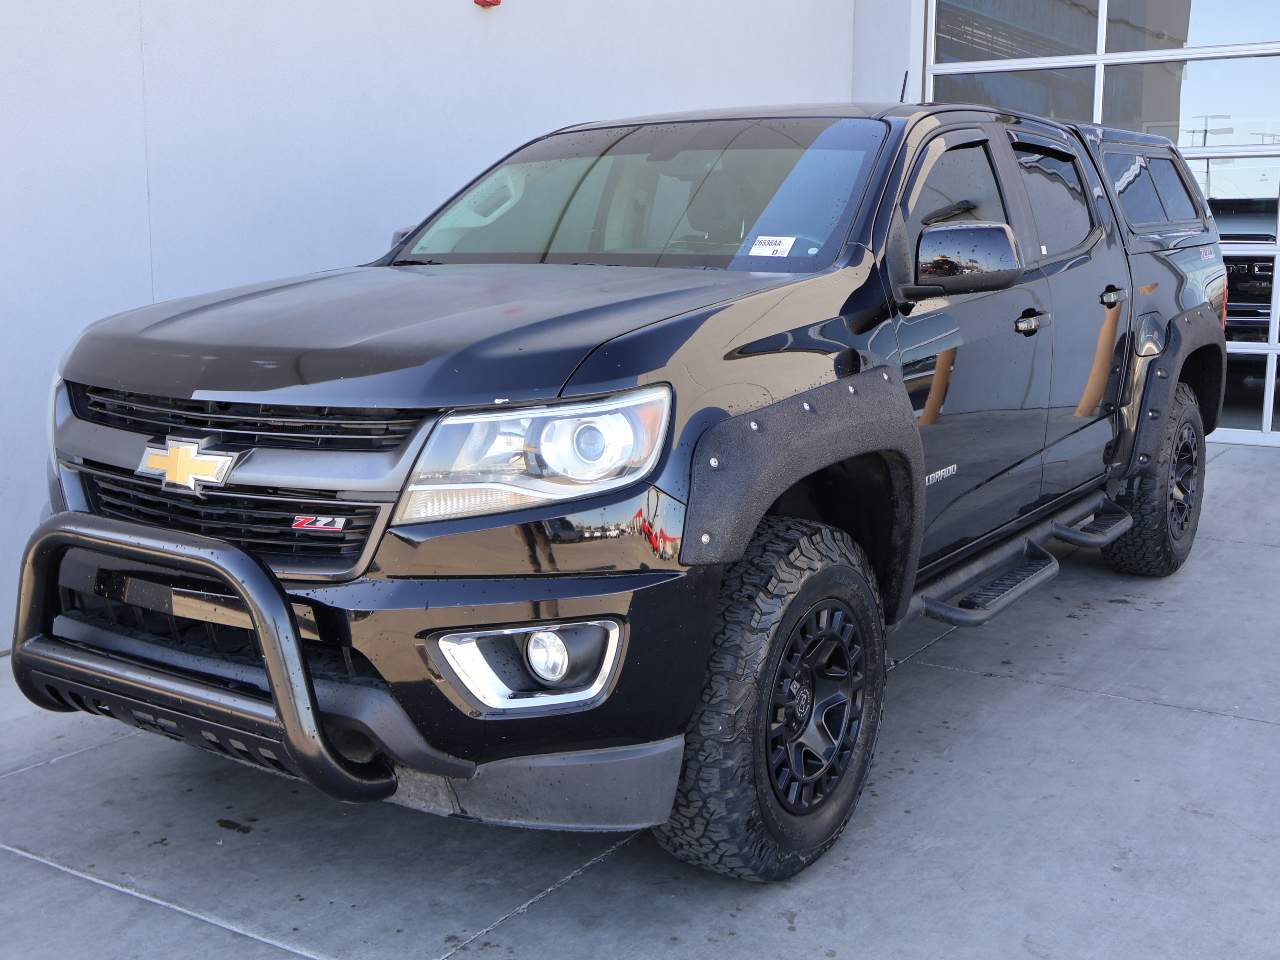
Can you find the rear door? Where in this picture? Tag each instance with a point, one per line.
(1078, 248)
(978, 386)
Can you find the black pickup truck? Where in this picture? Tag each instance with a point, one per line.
(589, 506)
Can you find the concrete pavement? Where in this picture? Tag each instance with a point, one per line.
(1094, 774)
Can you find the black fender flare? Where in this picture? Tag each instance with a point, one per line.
(742, 464)
(1155, 378)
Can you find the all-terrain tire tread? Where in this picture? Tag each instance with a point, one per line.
(1146, 550)
(715, 823)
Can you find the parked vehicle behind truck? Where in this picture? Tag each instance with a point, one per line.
(591, 504)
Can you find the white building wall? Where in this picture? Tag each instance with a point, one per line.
(888, 42)
(152, 149)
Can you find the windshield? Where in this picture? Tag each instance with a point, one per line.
(760, 194)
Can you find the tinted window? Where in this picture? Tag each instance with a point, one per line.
(752, 194)
(950, 186)
(1057, 199)
(1173, 192)
(1132, 182)
(960, 186)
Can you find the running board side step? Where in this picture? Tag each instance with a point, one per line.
(998, 590)
(1109, 524)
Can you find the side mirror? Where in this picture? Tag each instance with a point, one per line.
(966, 258)
(398, 235)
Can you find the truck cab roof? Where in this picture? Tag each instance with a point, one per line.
(908, 112)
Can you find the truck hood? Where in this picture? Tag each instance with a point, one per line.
(430, 336)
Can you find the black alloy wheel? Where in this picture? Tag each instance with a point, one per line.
(817, 707)
(778, 750)
(1184, 480)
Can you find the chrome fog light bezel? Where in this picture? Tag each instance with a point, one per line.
(460, 652)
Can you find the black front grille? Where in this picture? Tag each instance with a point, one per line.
(247, 424)
(257, 519)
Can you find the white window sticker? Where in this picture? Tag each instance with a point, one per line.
(772, 246)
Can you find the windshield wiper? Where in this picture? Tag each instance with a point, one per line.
(410, 262)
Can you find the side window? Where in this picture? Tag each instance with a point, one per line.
(950, 186)
(960, 187)
(1057, 198)
(1135, 188)
(1172, 189)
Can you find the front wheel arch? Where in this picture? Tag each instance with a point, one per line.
(768, 461)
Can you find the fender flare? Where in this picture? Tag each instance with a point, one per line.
(1156, 378)
(739, 470)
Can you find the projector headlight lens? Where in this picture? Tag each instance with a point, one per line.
(481, 463)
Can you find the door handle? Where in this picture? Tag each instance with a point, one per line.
(1029, 323)
(1114, 296)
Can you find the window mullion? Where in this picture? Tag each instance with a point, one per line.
(1099, 70)
(1269, 395)
(1273, 326)
(1099, 77)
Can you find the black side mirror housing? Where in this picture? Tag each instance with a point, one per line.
(955, 258)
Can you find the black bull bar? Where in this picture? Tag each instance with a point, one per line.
(292, 719)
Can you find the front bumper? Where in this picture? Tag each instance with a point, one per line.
(613, 767)
(54, 673)
(612, 788)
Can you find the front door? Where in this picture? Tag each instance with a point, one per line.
(979, 386)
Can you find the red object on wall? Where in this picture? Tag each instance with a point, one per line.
(487, 3)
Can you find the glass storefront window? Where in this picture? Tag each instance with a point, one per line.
(1005, 29)
(1275, 395)
(1065, 94)
(1242, 194)
(1248, 297)
(1198, 103)
(1246, 391)
(1174, 24)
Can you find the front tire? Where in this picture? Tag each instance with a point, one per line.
(779, 746)
(1166, 500)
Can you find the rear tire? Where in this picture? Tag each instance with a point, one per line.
(1165, 501)
(779, 746)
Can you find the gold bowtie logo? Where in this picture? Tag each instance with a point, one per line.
(186, 465)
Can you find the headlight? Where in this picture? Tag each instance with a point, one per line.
(478, 463)
(51, 422)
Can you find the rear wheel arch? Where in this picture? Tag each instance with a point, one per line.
(1202, 371)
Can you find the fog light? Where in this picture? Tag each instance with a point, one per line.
(547, 655)
(549, 667)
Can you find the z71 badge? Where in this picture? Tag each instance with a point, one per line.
(320, 523)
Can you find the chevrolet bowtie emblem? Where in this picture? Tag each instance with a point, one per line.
(186, 465)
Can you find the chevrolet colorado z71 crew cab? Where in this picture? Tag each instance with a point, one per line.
(590, 504)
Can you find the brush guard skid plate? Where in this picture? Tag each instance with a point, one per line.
(49, 671)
